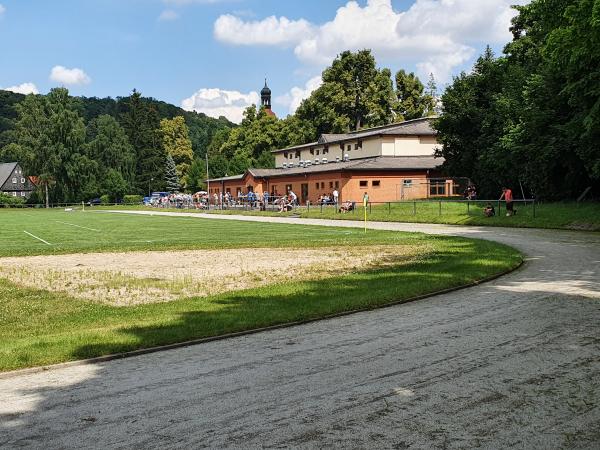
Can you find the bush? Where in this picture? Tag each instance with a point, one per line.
(105, 199)
(9, 200)
(133, 199)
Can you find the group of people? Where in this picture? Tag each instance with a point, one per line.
(178, 200)
(507, 196)
(470, 192)
(329, 199)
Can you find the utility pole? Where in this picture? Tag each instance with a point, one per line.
(207, 181)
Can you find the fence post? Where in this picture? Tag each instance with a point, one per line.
(468, 208)
(534, 208)
(370, 207)
(308, 207)
(389, 207)
(440, 207)
(321, 207)
(414, 208)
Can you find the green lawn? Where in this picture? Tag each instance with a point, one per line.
(562, 215)
(38, 327)
(584, 216)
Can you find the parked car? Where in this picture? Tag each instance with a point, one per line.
(94, 202)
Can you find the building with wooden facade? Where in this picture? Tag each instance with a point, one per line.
(13, 181)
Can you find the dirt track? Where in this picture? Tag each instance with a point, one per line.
(515, 362)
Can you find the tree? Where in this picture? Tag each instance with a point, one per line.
(197, 175)
(141, 124)
(354, 94)
(531, 117)
(409, 90)
(171, 178)
(109, 146)
(114, 185)
(430, 99)
(177, 143)
(48, 141)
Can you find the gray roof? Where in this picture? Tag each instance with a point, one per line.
(5, 170)
(232, 177)
(414, 127)
(392, 163)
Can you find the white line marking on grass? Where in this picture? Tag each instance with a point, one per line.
(78, 226)
(34, 236)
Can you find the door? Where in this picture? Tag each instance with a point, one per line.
(304, 192)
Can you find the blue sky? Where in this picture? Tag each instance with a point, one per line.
(213, 55)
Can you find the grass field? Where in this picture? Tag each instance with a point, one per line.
(583, 216)
(569, 216)
(40, 327)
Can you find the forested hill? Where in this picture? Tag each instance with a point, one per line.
(201, 127)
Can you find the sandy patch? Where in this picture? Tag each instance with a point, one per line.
(133, 278)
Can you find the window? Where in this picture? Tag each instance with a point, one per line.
(407, 183)
(312, 151)
(288, 187)
(375, 183)
(325, 150)
(364, 183)
(349, 147)
(14, 180)
(330, 184)
(318, 152)
(356, 146)
(22, 180)
(228, 190)
(337, 184)
(437, 188)
(14, 193)
(297, 154)
(316, 185)
(22, 194)
(285, 155)
(322, 185)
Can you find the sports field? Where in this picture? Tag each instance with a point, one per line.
(81, 284)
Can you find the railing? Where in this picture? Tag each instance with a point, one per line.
(243, 203)
(414, 207)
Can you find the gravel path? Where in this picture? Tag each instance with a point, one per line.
(511, 363)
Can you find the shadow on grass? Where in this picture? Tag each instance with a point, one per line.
(458, 264)
(144, 402)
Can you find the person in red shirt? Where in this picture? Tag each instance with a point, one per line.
(508, 197)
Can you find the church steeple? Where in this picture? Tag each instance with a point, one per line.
(265, 96)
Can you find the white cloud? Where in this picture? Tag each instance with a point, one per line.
(23, 88)
(294, 97)
(168, 15)
(437, 35)
(269, 31)
(217, 102)
(65, 76)
(2, 9)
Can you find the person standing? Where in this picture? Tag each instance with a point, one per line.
(507, 195)
(293, 198)
(336, 195)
